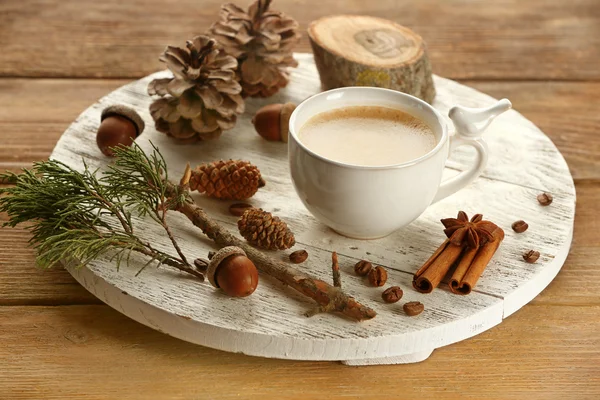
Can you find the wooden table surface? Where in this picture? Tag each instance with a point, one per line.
(59, 342)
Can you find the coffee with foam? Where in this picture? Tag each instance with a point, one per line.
(367, 136)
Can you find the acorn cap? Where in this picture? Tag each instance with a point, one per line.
(218, 258)
(126, 112)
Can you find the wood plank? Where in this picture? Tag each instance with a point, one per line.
(49, 100)
(541, 352)
(563, 110)
(505, 39)
(30, 136)
(21, 283)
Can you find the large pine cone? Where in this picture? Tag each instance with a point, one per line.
(227, 180)
(263, 230)
(262, 40)
(203, 98)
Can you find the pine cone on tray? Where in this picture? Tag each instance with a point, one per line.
(203, 98)
(260, 228)
(227, 180)
(262, 40)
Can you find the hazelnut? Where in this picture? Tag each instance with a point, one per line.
(272, 121)
(231, 271)
(120, 126)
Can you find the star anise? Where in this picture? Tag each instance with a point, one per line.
(473, 233)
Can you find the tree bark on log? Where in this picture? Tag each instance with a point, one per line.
(355, 50)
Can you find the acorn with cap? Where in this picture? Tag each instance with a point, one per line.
(120, 125)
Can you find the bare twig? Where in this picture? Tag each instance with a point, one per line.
(328, 297)
(201, 264)
(335, 268)
(114, 209)
(163, 222)
(173, 263)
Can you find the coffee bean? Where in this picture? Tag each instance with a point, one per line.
(378, 276)
(531, 256)
(413, 308)
(238, 209)
(392, 294)
(520, 226)
(545, 199)
(362, 268)
(298, 256)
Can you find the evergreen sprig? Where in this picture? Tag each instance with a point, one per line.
(82, 215)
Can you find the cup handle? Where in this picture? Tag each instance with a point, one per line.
(470, 124)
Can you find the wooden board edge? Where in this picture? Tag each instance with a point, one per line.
(285, 347)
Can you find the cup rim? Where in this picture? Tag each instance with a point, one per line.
(409, 163)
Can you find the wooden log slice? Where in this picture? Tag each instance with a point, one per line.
(357, 50)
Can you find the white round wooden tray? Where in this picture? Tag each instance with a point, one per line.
(270, 323)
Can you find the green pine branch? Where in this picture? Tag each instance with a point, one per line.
(83, 215)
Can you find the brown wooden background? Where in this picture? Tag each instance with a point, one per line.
(58, 342)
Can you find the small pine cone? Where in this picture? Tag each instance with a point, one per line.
(263, 230)
(227, 180)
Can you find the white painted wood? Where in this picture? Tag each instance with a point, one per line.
(523, 162)
(404, 359)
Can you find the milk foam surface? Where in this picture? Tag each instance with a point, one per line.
(367, 136)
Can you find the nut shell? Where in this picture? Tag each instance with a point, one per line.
(115, 130)
(267, 123)
(237, 276)
(216, 260)
(272, 121)
(284, 120)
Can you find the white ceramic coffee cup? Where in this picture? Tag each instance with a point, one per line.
(370, 202)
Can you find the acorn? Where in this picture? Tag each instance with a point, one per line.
(119, 125)
(230, 270)
(272, 122)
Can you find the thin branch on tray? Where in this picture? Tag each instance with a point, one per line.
(329, 298)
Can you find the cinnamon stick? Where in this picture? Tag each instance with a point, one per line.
(429, 276)
(473, 263)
